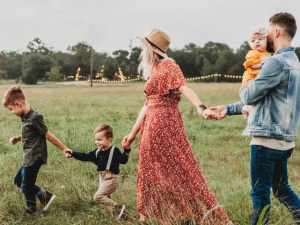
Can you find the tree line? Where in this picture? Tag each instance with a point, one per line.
(40, 62)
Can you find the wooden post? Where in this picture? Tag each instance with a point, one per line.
(91, 73)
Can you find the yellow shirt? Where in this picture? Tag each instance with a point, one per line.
(253, 57)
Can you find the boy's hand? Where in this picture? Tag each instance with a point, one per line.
(125, 144)
(68, 153)
(13, 140)
(127, 140)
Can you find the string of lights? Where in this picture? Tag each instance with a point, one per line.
(126, 80)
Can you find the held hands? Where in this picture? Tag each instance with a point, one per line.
(222, 111)
(125, 144)
(67, 153)
(127, 141)
(211, 114)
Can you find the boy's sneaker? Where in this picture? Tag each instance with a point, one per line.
(31, 211)
(46, 198)
(120, 210)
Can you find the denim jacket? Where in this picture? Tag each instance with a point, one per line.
(275, 96)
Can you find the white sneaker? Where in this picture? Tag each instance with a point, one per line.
(46, 199)
(122, 207)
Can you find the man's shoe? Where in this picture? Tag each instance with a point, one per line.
(120, 210)
(46, 198)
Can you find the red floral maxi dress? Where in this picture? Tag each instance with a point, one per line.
(170, 184)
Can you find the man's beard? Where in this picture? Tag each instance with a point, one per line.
(270, 46)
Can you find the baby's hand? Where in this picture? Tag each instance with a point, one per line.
(245, 114)
(248, 82)
(263, 59)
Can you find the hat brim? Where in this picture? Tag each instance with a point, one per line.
(156, 50)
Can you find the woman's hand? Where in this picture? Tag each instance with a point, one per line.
(221, 109)
(127, 140)
(211, 114)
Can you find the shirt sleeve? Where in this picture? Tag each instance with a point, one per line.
(235, 108)
(89, 157)
(40, 125)
(252, 58)
(123, 157)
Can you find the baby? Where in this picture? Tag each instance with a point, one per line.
(255, 59)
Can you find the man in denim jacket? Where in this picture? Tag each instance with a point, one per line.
(273, 120)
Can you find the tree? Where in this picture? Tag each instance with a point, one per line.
(66, 62)
(237, 67)
(14, 67)
(3, 65)
(123, 61)
(34, 67)
(53, 74)
(82, 57)
(134, 59)
(189, 59)
(212, 53)
(37, 46)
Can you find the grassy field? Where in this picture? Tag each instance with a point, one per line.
(72, 113)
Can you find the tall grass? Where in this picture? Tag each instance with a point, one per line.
(72, 113)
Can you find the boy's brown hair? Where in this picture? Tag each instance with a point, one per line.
(104, 127)
(286, 21)
(12, 95)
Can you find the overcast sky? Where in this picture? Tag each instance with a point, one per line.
(108, 25)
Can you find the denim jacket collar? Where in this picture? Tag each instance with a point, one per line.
(285, 49)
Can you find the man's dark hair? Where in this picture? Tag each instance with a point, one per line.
(286, 21)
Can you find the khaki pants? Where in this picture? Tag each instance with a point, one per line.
(108, 183)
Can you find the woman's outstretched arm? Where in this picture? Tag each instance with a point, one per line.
(193, 98)
(136, 128)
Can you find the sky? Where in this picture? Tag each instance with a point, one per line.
(110, 25)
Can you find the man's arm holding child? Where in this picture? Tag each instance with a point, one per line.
(54, 140)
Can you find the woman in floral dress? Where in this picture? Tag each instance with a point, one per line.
(170, 183)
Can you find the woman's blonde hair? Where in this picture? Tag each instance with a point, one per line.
(149, 60)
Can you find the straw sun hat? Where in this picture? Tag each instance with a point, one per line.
(158, 41)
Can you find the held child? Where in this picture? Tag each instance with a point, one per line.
(107, 158)
(254, 59)
(33, 137)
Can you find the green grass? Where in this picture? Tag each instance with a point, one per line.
(72, 113)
